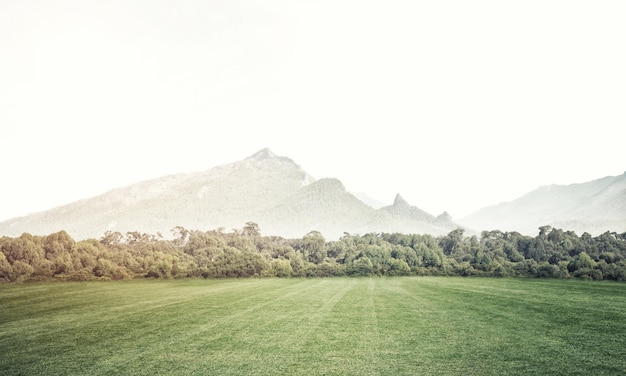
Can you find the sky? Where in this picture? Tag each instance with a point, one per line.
(456, 105)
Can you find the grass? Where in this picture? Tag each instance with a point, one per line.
(360, 326)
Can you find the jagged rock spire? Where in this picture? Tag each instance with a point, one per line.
(400, 201)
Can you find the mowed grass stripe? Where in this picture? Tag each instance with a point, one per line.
(525, 326)
(104, 321)
(361, 326)
(214, 333)
(347, 340)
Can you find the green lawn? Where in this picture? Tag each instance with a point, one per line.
(342, 326)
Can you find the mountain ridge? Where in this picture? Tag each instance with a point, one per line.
(595, 207)
(265, 188)
(285, 200)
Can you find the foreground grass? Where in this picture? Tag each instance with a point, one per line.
(393, 326)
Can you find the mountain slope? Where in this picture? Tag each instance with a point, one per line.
(324, 205)
(594, 207)
(270, 190)
(203, 200)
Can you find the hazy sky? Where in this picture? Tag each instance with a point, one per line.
(454, 104)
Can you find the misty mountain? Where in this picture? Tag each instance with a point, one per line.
(270, 190)
(594, 207)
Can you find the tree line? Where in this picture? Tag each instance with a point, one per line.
(242, 253)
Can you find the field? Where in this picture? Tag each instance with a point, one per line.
(342, 326)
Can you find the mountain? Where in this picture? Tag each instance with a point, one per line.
(594, 207)
(402, 217)
(271, 190)
(323, 205)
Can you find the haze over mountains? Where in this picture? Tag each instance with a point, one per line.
(594, 207)
(284, 200)
(270, 190)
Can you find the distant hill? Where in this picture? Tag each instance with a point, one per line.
(594, 207)
(270, 190)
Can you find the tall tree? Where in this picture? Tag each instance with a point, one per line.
(313, 245)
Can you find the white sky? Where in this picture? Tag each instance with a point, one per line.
(455, 104)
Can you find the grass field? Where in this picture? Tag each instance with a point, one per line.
(360, 326)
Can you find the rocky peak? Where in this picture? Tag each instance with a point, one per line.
(263, 154)
(400, 201)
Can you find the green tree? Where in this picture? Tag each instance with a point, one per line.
(57, 244)
(313, 245)
(111, 237)
(6, 271)
(453, 242)
(360, 267)
(398, 267)
(581, 261)
(297, 265)
(251, 229)
(330, 268)
(281, 268)
(181, 235)
(547, 270)
(21, 271)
